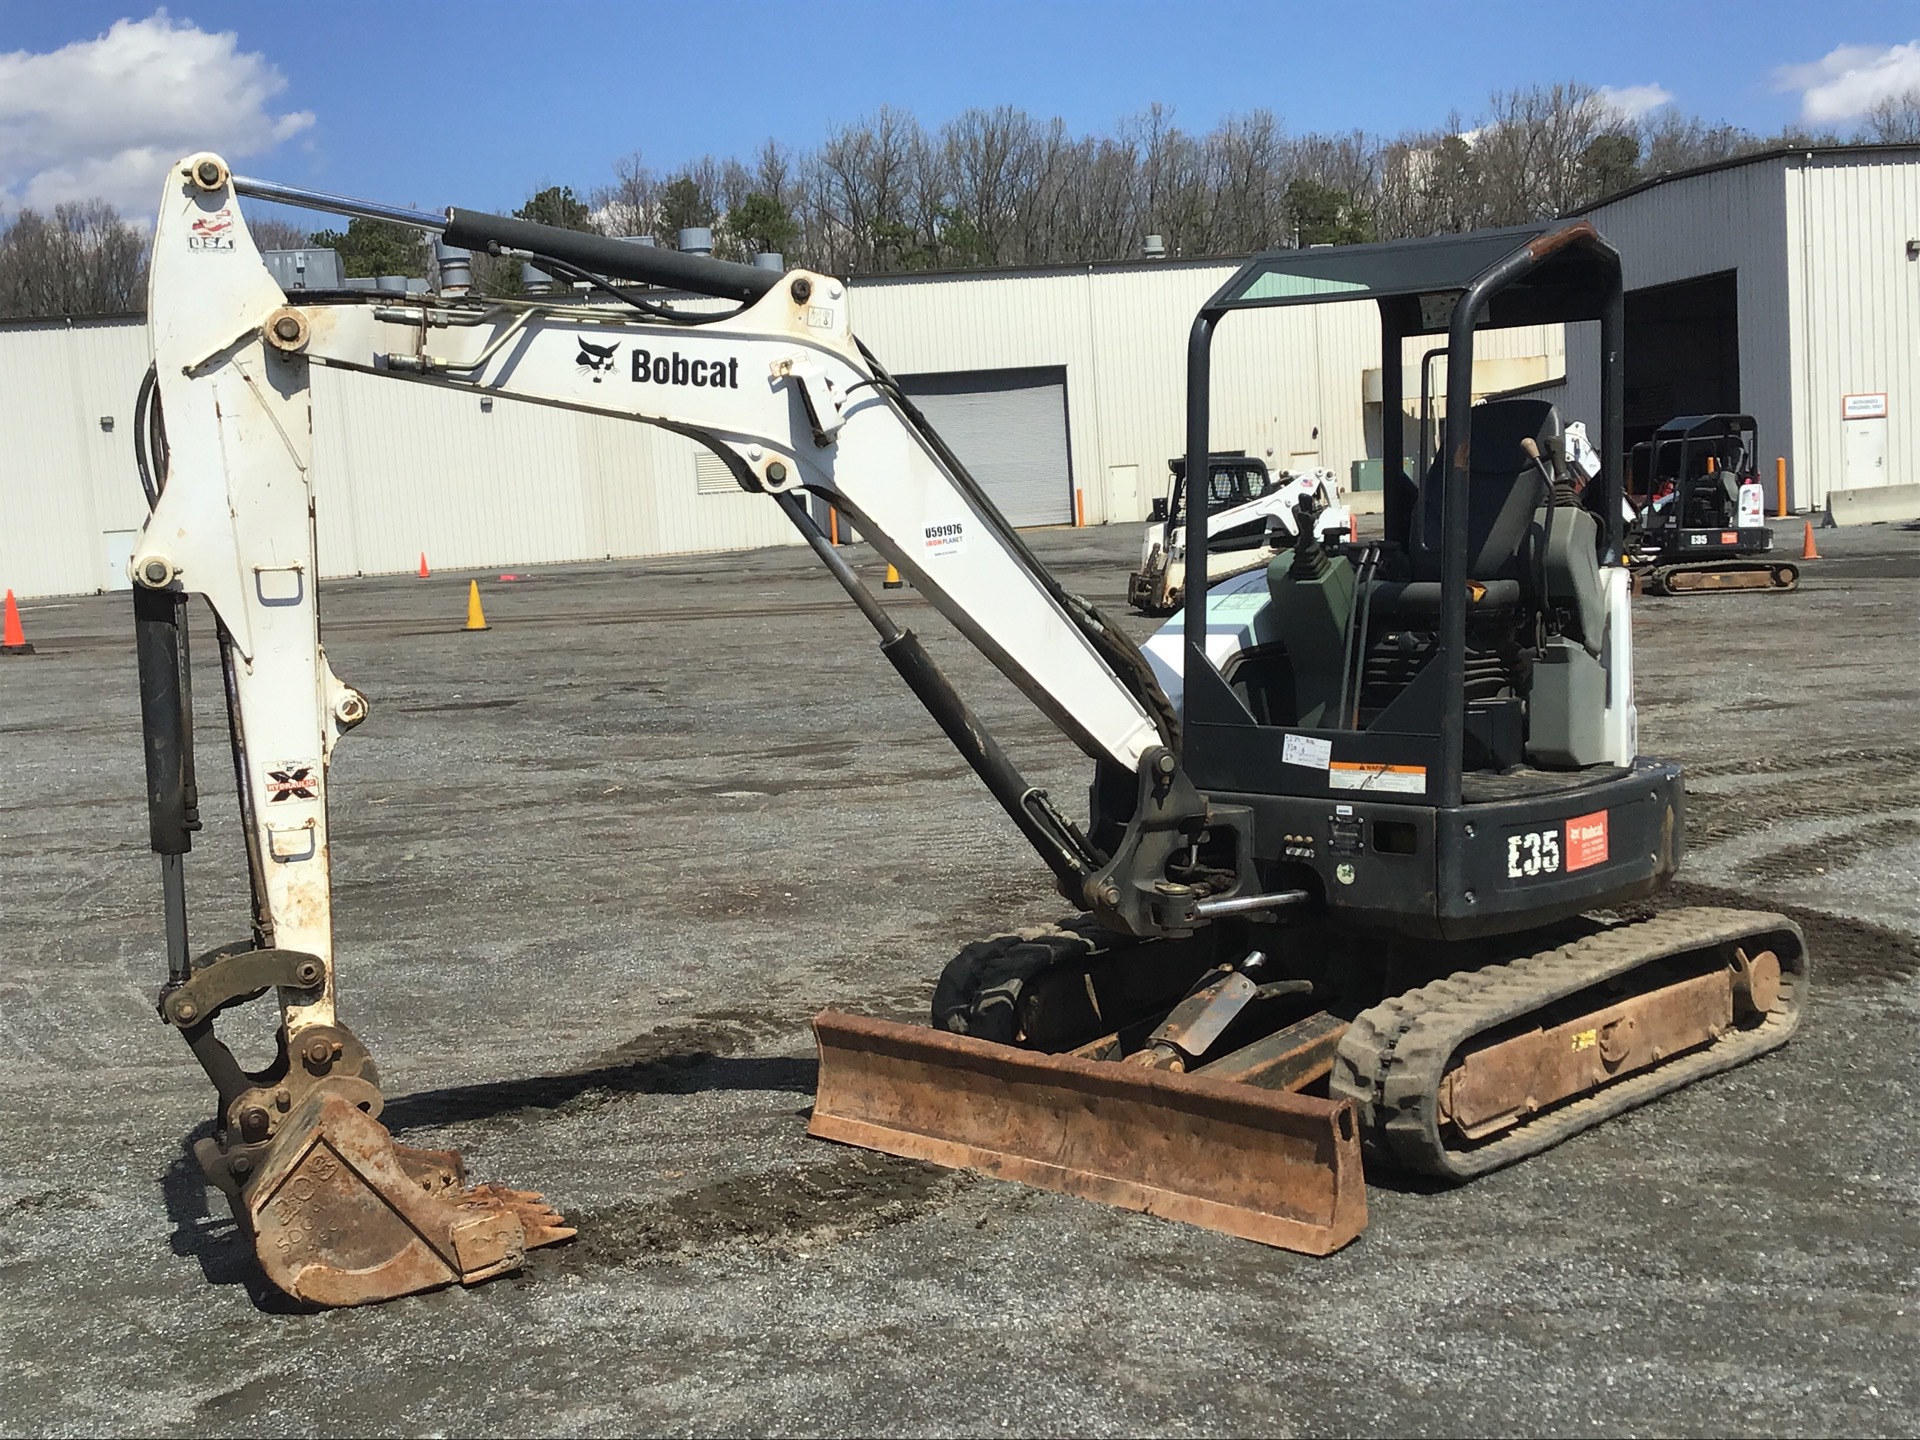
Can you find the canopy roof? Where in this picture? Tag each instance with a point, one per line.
(1417, 282)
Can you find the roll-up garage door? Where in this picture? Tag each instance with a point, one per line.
(1009, 428)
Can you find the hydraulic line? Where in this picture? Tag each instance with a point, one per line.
(1067, 852)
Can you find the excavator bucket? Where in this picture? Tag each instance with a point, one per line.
(1266, 1165)
(341, 1215)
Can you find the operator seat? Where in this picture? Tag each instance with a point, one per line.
(1507, 520)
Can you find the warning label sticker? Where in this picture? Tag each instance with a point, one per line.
(945, 537)
(1306, 750)
(1365, 775)
(1587, 840)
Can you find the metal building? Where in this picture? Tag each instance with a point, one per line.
(1785, 284)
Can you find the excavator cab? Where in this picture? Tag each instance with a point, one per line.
(1406, 728)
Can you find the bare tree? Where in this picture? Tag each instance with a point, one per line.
(860, 181)
(83, 260)
(628, 205)
(1895, 120)
(1002, 186)
(272, 233)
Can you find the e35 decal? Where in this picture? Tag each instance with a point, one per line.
(1533, 852)
(1573, 845)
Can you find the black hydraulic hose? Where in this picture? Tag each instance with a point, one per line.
(150, 451)
(654, 308)
(149, 392)
(1066, 854)
(603, 255)
(237, 742)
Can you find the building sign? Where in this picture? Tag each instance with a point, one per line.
(1864, 407)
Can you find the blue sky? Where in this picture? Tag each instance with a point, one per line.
(478, 103)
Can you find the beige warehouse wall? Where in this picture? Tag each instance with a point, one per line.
(398, 469)
(67, 485)
(1857, 311)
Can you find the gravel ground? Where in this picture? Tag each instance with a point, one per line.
(597, 866)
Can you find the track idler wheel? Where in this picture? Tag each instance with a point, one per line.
(341, 1215)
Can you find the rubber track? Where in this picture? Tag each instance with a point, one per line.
(1394, 1055)
(1659, 580)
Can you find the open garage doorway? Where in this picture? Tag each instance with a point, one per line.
(1683, 352)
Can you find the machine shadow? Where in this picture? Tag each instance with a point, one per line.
(206, 1233)
(693, 1073)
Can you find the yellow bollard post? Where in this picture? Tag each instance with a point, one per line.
(1780, 485)
(476, 620)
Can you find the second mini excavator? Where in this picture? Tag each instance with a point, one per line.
(1358, 818)
(1699, 513)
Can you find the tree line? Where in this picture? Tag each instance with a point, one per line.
(1004, 187)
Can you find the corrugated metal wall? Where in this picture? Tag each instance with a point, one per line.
(1856, 307)
(401, 470)
(1701, 225)
(1288, 384)
(66, 483)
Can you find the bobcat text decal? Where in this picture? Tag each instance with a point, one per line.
(676, 369)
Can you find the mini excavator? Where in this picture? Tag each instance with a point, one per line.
(1367, 826)
(1699, 513)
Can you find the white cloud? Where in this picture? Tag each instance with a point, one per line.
(1630, 102)
(1850, 80)
(104, 117)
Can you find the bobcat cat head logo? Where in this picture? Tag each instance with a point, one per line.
(595, 360)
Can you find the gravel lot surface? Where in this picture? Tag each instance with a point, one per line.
(596, 867)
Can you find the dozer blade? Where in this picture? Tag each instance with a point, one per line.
(341, 1215)
(1271, 1166)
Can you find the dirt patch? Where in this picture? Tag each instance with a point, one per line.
(1841, 951)
(854, 1193)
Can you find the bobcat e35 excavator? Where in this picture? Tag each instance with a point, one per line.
(1356, 819)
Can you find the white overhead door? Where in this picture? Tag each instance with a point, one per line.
(1009, 428)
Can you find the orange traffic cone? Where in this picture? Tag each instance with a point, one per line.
(424, 572)
(13, 639)
(893, 580)
(1808, 550)
(475, 619)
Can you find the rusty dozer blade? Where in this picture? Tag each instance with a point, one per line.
(341, 1215)
(1280, 1168)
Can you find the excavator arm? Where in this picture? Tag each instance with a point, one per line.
(782, 391)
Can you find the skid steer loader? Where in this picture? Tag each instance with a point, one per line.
(1354, 819)
(1250, 512)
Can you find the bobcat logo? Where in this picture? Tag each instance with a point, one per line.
(595, 360)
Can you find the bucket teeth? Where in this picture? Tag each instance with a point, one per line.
(341, 1215)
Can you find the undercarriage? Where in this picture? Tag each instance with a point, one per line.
(1287, 1051)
